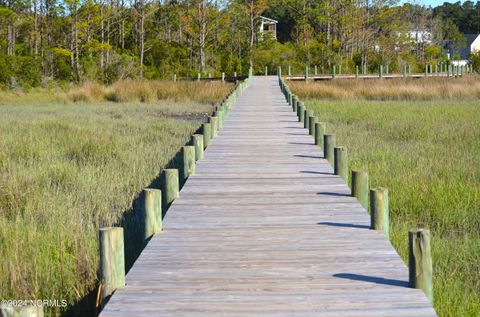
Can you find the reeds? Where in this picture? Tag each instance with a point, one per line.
(128, 90)
(65, 170)
(421, 89)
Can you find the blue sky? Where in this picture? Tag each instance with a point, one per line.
(432, 3)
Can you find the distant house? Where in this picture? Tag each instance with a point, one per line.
(419, 37)
(472, 45)
(268, 26)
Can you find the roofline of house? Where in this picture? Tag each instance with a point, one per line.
(268, 19)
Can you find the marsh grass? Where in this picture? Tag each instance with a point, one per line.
(65, 170)
(426, 154)
(421, 89)
(128, 90)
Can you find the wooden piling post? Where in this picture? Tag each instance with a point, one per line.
(301, 112)
(340, 165)
(420, 261)
(279, 71)
(170, 187)
(306, 72)
(319, 132)
(223, 76)
(266, 70)
(311, 125)
(360, 187)
(188, 163)
(333, 72)
(112, 261)
(197, 142)
(174, 78)
(214, 124)
(329, 144)
(379, 213)
(381, 71)
(316, 70)
(289, 70)
(207, 134)
(151, 212)
(307, 115)
(356, 71)
(199, 76)
(219, 114)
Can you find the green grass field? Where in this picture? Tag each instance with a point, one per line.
(427, 155)
(65, 170)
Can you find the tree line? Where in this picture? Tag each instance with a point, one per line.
(44, 41)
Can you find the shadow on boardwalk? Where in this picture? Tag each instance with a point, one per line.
(371, 279)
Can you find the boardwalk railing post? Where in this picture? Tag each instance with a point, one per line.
(112, 261)
(420, 261)
(223, 76)
(213, 120)
(319, 132)
(307, 115)
(381, 71)
(306, 72)
(279, 71)
(219, 114)
(174, 78)
(188, 163)
(151, 212)
(289, 70)
(301, 112)
(329, 143)
(356, 71)
(360, 187)
(170, 187)
(333, 72)
(21, 311)
(197, 142)
(379, 214)
(312, 125)
(340, 166)
(199, 76)
(266, 70)
(207, 134)
(315, 70)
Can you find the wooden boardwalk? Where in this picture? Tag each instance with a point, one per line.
(265, 229)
